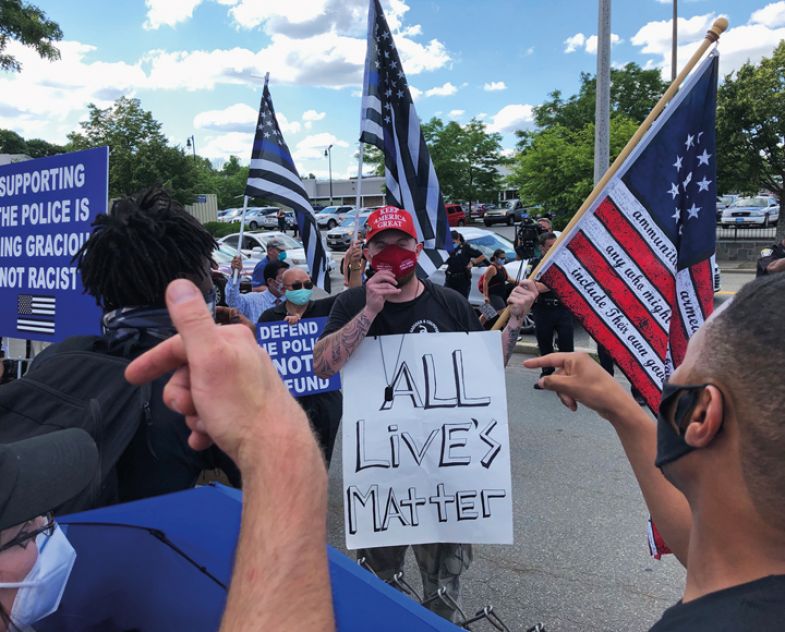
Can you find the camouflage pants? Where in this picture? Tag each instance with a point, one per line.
(440, 565)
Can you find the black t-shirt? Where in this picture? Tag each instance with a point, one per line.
(768, 255)
(319, 307)
(460, 258)
(757, 605)
(436, 309)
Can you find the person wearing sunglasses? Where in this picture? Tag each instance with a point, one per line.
(37, 475)
(711, 469)
(324, 410)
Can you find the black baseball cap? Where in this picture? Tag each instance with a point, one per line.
(40, 473)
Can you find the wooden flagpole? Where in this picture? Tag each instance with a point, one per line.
(719, 26)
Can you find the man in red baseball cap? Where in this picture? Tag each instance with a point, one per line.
(395, 301)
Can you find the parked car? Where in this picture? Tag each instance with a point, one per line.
(222, 256)
(255, 216)
(255, 245)
(479, 209)
(271, 221)
(723, 202)
(486, 242)
(759, 210)
(340, 237)
(331, 216)
(230, 215)
(505, 214)
(456, 216)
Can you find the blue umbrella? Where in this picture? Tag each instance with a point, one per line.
(164, 563)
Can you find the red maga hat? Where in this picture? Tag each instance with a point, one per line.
(389, 218)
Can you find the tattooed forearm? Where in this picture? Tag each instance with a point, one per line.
(509, 340)
(332, 352)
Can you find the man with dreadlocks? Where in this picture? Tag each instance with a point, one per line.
(133, 253)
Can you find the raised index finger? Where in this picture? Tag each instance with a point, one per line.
(554, 360)
(160, 360)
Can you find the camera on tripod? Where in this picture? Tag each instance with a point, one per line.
(526, 235)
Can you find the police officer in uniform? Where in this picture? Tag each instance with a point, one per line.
(459, 265)
(771, 260)
(550, 315)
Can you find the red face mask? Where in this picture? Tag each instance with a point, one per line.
(400, 261)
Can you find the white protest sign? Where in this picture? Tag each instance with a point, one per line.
(427, 460)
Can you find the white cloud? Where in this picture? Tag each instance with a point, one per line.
(415, 92)
(455, 114)
(772, 15)
(512, 117)
(445, 90)
(588, 44)
(47, 98)
(219, 148)
(494, 86)
(168, 12)
(529, 51)
(240, 118)
(508, 153)
(481, 116)
(574, 42)
(312, 147)
(747, 42)
(313, 115)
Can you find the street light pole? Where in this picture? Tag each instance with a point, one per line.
(602, 109)
(674, 40)
(329, 154)
(191, 143)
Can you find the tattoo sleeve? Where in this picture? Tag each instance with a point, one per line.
(509, 340)
(332, 352)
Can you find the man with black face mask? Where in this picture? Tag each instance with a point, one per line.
(711, 470)
(395, 301)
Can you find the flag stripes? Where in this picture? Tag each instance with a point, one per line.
(636, 268)
(272, 175)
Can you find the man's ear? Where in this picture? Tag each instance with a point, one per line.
(706, 418)
(418, 248)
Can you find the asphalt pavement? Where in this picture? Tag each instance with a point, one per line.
(580, 559)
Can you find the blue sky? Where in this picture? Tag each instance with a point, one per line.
(198, 64)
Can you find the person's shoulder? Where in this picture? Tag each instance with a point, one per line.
(273, 314)
(351, 296)
(755, 605)
(448, 294)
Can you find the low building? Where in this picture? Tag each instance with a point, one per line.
(7, 159)
(345, 191)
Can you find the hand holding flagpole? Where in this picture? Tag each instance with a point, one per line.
(712, 36)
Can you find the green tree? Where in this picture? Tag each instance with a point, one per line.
(139, 155)
(634, 92)
(557, 167)
(751, 130)
(12, 143)
(28, 25)
(38, 148)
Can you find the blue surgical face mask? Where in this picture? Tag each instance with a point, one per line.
(39, 593)
(299, 297)
(282, 255)
(501, 261)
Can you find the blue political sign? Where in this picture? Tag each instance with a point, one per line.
(47, 207)
(291, 349)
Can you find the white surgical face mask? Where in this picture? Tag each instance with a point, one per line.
(40, 592)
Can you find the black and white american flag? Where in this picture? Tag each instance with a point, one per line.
(274, 177)
(390, 122)
(35, 313)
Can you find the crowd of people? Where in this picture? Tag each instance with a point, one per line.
(710, 469)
